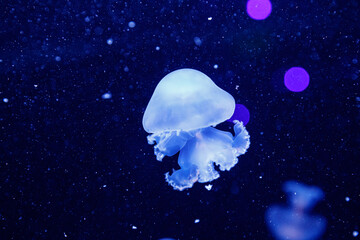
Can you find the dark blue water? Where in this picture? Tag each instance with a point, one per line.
(76, 166)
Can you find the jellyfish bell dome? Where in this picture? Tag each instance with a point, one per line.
(185, 100)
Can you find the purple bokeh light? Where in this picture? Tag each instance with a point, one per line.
(258, 9)
(241, 113)
(296, 79)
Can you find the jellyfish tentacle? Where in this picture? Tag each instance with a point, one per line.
(168, 143)
(242, 138)
(208, 173)
(183, 178)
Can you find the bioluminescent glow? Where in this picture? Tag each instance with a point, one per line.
(258, 9)
(241, 113)
(181, 115)
(106, 96)
(131, 24)
(296, 79)
(295, 222)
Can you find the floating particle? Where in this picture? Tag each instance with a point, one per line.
(134, 227)
(106, 96)
(197, 41)
(87, 19)
(57, 58)
(181, 116)
(258, 9)
(208, 187)
(347, 199)
(131, 24)
(354, 61)
(197, 221)
(296, 79)
(1, 60)
(355, 233)
(5, 100)
(216, 66)
(241, 114)
(109, 41)
(126, 68)
(157, 48)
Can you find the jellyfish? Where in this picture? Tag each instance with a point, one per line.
(295, 222)
(181, 116)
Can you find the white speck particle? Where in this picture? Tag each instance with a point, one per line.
(197, 221)
(134, 227)
(65, 235)
(355, 233)
(126, 69)
(106, 96)
(57, 58)
(157, 48)
(197, 41)
(87, 19)
(109, 41)
(209, 18)
(260, 177)
(347, 199)
(216, 66)
(104, 186)
(5, 100)
(208, 187)
(35, 85)
(132, 24)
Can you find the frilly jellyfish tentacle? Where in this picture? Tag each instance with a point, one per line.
(168, 143)
(209, 146)
(242, 138)
(183, 178)
(222, 152)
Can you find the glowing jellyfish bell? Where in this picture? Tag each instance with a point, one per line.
(258, 9)
(184, 100)
(301, 196)
(296, 79)
(180, 116)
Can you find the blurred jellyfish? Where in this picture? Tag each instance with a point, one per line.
(295, 222)
(181, 115)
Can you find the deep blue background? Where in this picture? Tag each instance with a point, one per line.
(61, 143)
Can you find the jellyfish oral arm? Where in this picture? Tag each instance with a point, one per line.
(242, 138)
(183, 178)
(168, 143)
(207, 147)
